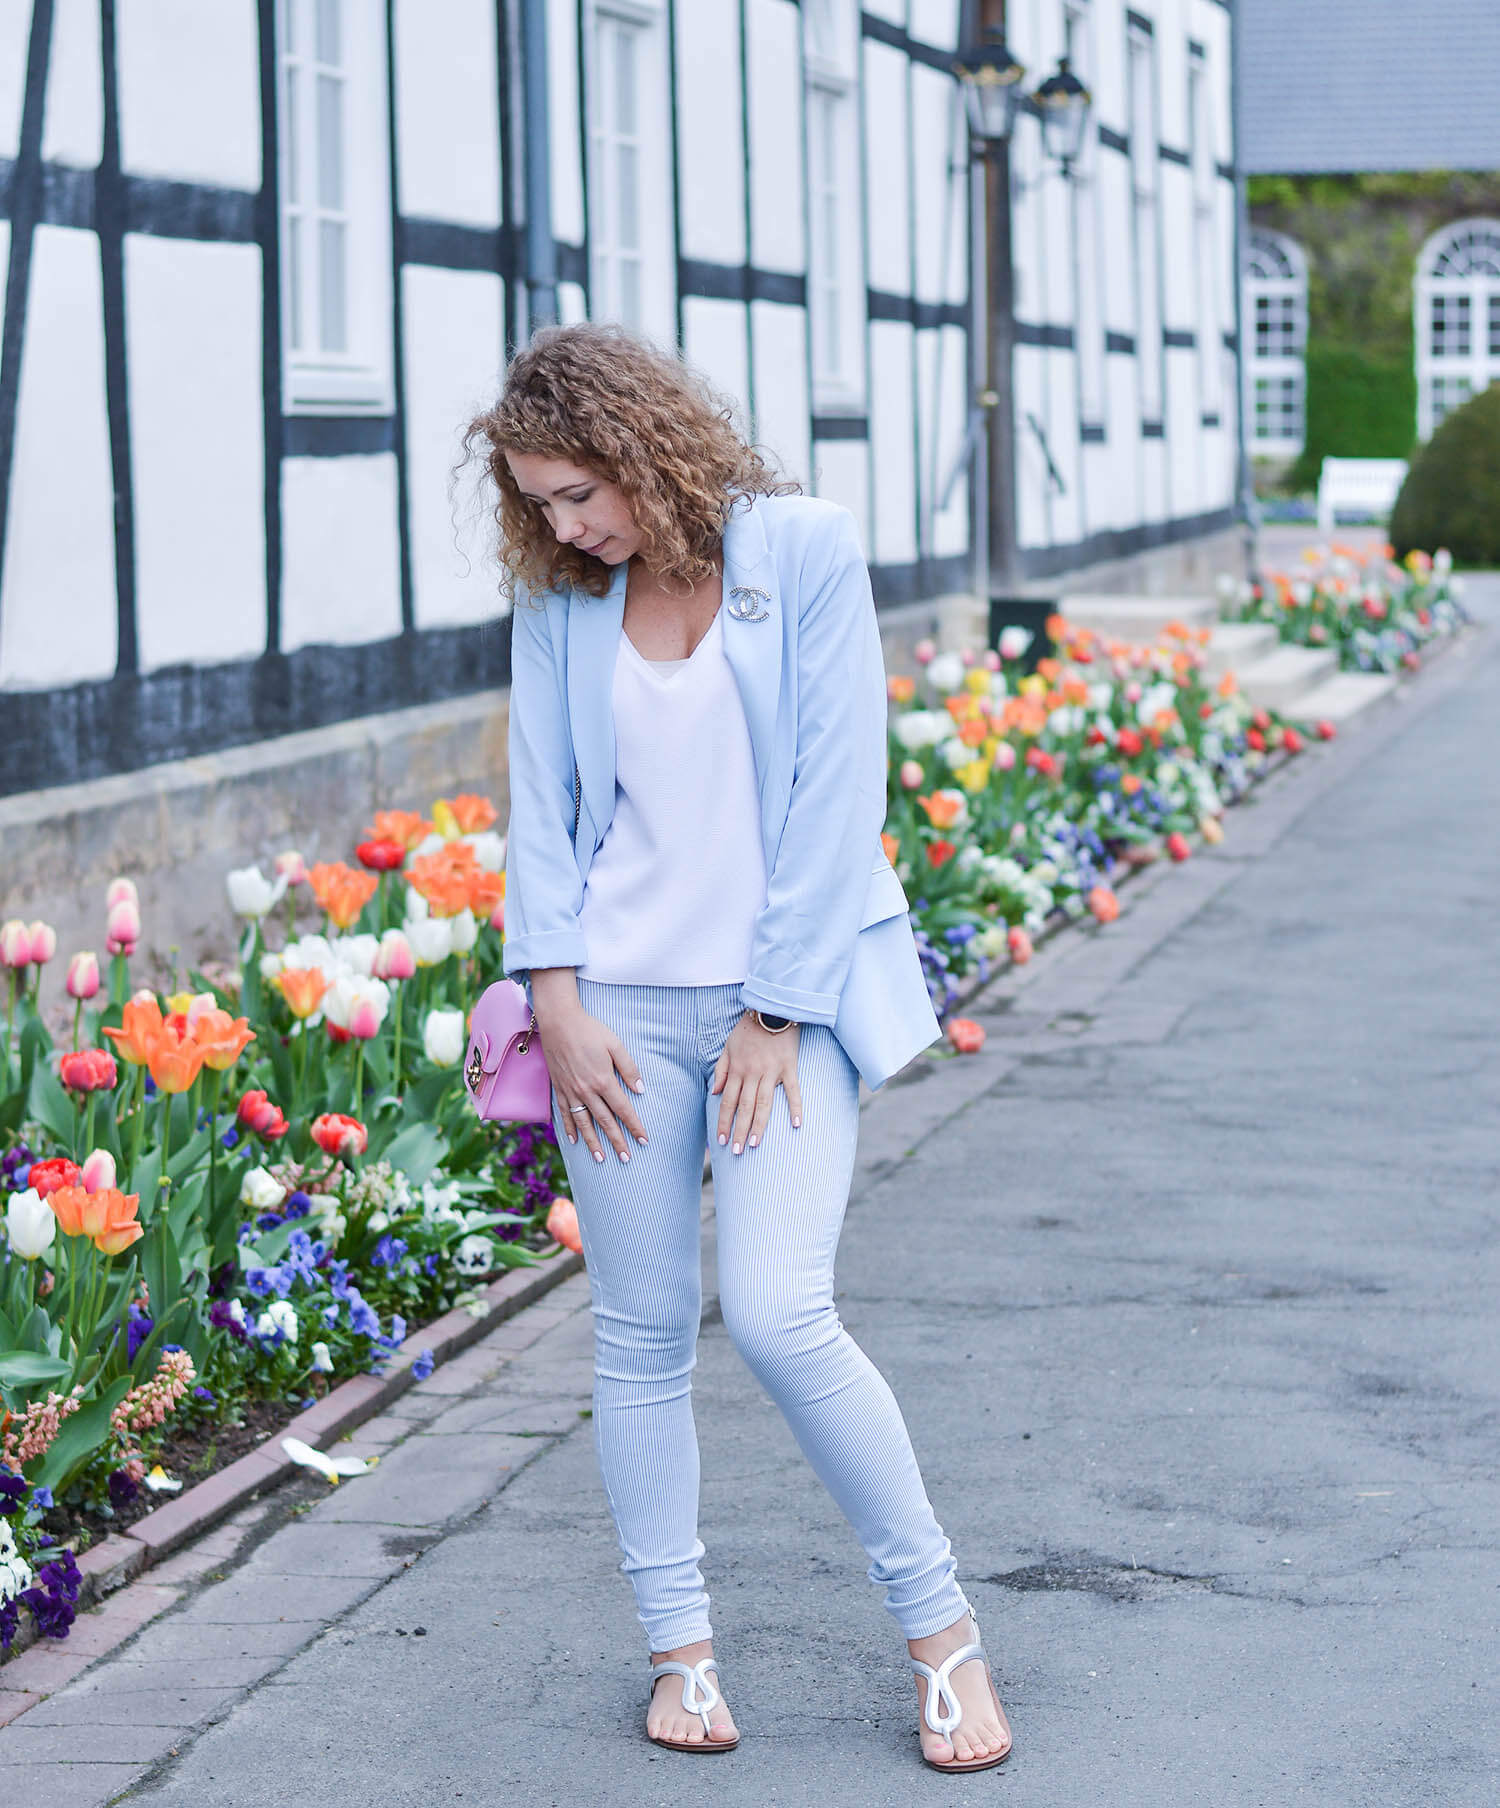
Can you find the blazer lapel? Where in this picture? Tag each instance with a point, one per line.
(593, 645)
(754, 630)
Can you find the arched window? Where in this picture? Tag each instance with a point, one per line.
(1457, 318)
(1276, 325)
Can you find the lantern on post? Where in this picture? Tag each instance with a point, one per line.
(1062, 103)
(992, 88)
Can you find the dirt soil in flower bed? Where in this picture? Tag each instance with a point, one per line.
(189, 1457)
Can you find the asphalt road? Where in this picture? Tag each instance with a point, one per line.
(1187, 1286)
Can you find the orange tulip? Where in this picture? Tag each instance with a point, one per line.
(901, 689)
(445, 878)
(1104, 904)
(68, 1203)
(405, 826)
(892, 847)
(302, 988)
(110, 1220)
(342, 891)
(139, 1031)
(485, 892)
(562, 1224)
(175, 1058)
(943, 808)
(470, 812)
(966, 1035)
(222, 1038)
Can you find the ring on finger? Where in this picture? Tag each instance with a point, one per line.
(574, 1110)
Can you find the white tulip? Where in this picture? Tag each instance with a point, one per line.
(463, 931)
(919, 728)
(1014, 642)
(429, 844)
(489, 849)
(261, 1191)
(349, 993)
(321, 1360)
(358, 953)
(312, 951)
(431, 939)
(251, 893)
(417, 907)
(444, 1037)
(270, 966)
(946, 672)
(30, 1225)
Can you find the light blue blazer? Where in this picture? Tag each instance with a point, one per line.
(833, 943)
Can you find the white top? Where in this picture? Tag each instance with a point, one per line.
(680, 877)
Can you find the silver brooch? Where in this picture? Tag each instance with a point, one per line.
(745, 603)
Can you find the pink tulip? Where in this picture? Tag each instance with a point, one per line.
(364, 1020)
(992, 660)
(43, 943)
(394, 959)
(121, 889)
(911, 774)
(97, 1172)
(122, 929)
(15, 944)
(967, 656)
(290, 865)
(1005, 757)
(497, 918)
(924, 652)
(83, 976)
(1132, 692)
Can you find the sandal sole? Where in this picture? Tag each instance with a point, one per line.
(697, 1745)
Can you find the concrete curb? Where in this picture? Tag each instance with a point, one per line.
(124, 1556)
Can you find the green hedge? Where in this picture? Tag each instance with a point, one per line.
(1358, 406)
(1451, 496)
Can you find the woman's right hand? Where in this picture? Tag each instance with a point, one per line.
(591, 1068)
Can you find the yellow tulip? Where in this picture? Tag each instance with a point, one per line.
(977, 681)
(975, 775)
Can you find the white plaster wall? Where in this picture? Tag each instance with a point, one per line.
(888, 229)
(190, 90)
(893, 10)
(710, 132)
(1187, 478)
(1033, 520)
(564, 129)
(1126, 492)
(341, 557)
(774, 84)
(778, 349)
(892, 444)
(716, 339)
(941, 199)
(57, 606)
(572, 303)
(193, 343)
(15, 35)
(447, 111)
(841, 472)
(933, 22)
(943, 418)
(455, 337)
(73, 128)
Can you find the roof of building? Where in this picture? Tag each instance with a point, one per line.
(1345, 86)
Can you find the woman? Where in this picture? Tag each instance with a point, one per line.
(716, 950)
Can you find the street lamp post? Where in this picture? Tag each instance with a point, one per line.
(993, 93)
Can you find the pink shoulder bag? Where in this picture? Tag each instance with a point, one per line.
(505, 1069)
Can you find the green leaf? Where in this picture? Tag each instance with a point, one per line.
(24, 1368)
(50, 1105)
(80, 1436)
(416, 1151)
(36, 1044)
(145, 1179)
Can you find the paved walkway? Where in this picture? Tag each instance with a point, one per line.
(1186, 1284)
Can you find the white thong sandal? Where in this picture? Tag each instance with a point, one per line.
(700, 1697)
(949, 1710)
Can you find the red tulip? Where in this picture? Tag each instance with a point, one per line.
(966, 1035)
(1261, 720)
(1129, 743)
(1019, 943)
(380, 856)
(940, 852)
(1255, 739)
(1177, 846)
(1291, 740)
(1326, 731)
(1104, 904)
(562, 1224)
(336, 1134)
(51, 1175)
(258, 1114)
(87, 1070)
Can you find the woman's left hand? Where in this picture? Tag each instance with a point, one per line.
(754, 1063)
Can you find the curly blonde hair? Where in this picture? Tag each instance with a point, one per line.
(638, 417)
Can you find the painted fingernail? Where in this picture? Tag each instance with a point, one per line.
(722, 1141)
(753, 1141)
(641, 1139)
(598, 1155)
(736, 1148)
(624, 1155)
(796, 1123)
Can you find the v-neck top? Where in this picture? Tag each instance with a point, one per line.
(677, 883)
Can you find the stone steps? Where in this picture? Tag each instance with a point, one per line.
(1139, 619)
(1342, 696)
(1236, 646)
(1280, 679)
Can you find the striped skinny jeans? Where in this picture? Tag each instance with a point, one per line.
(779, 1210)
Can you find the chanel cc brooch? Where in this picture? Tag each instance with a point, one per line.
(745, 603)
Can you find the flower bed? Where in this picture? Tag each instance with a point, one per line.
(221, 1202)
(1016, 800)
(1375, 614)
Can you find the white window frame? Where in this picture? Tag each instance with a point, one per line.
(1088, 293)
(319, 377)
(1276, 274)
(835, 260)
(1458, 269)
(1145, 221)
(651, 308)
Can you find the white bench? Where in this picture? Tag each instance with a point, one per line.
(1370, 485)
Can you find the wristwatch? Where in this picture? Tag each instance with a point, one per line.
(772, 1025)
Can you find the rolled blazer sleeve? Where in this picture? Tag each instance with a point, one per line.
(543, 888)
(820, 878)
